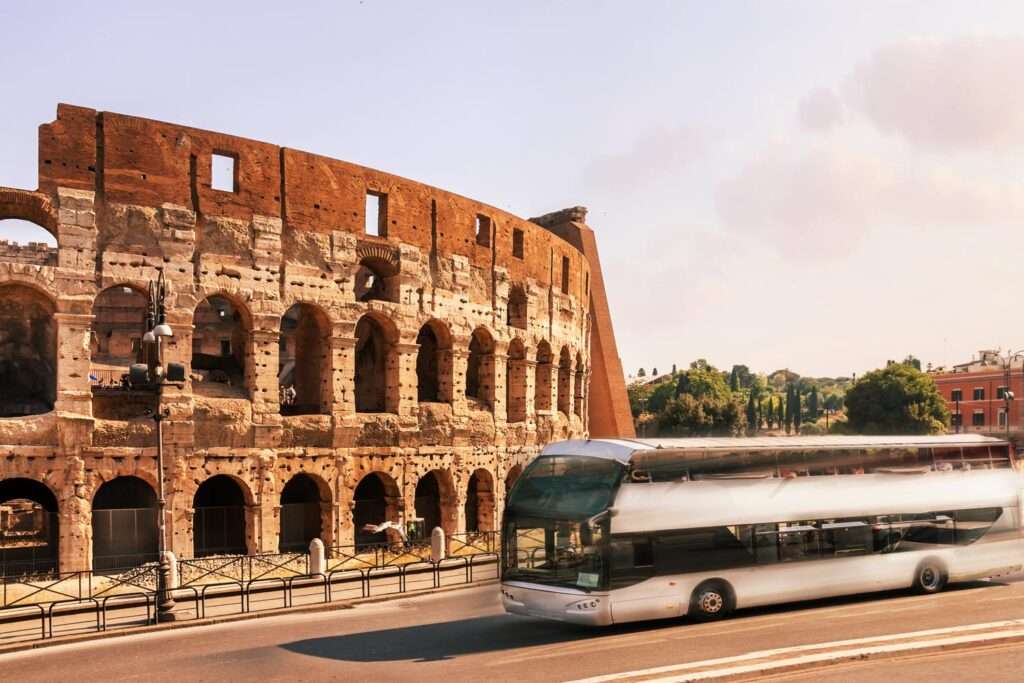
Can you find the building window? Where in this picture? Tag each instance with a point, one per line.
(978, 419)
(225, 347)
(979, 394)
(956, 395)
(483, 230)
(565, 274)
(956, 420)
(376, 214)
(517, 243)
(224, 173)
(1000, 392)
(1002, 417)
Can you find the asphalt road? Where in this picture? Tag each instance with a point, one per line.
(465, 636)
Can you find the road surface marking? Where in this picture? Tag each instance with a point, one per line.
(1007, 628)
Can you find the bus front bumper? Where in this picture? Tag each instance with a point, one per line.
(560, 604)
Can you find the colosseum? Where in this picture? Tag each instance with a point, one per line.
(357, 347)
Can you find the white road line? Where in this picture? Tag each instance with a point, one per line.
(874, 640)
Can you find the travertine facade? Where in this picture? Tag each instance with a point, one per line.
(439, 346)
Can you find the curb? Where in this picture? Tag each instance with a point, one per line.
(229, 618)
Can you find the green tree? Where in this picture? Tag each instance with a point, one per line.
(641, 373)
(780, 414)
(796, 409)
(654, 372)
(751, 414)
(897, 399)
(660, 396)
(812, 404)
(912, 361)
(734, 380)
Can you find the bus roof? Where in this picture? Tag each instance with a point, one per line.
(624, 449)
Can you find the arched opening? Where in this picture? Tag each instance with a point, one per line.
(115, 343)
(376, 279)
(517, 308)
(542, 378)
(29, 528)
(26, 242)
(219, 524)
(376, 375)
(124, 524)
(301, 513)
(28, 352)
(577, 388)
(433, 499)
(434, 363)
(375, 501)
(511, 477)
(480, 370)
(220, 344)
(515, 382)
(480, 502)
(304, 368)
(564, 383)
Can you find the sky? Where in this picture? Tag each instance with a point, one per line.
(816, 186)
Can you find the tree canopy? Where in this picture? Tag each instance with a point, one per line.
(897, 399)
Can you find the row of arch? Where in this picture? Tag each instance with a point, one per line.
(222, 353)
(124, 516)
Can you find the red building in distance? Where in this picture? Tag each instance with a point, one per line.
(975, 394)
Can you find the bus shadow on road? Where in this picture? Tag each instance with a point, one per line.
(497, 633)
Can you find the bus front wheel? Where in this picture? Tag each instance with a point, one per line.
(711, 600)
(930, 577)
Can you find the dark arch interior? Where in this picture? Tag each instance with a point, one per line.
(428, 385)
(28, 352)
(370, 498)
(473, 504)
(124, 524)
(371, 360)
(376, 279)
(219, 523)
(28, 528)
(302, 367)
(300, 514)
(428, 502)
(219, 341)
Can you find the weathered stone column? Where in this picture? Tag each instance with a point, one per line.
(263, 388)
(499, 377)
(343, 375)
(408, 386)
(74, 395)
(460, 362)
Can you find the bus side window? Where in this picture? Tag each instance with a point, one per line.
(766, 543)
(798, 541)
(632, 560)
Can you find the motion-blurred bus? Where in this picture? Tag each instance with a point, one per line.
(610, 531)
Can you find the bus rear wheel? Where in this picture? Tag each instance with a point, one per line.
(711, 600)
(930, 577)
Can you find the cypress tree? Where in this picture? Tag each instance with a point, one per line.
(780, 414)
(751, 413)
(812, 404)
(796, 409)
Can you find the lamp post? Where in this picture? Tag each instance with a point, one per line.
(957, 414)
(156, 377)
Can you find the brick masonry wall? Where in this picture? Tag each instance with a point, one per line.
(127, 198)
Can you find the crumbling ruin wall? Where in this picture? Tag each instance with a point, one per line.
(128, 198)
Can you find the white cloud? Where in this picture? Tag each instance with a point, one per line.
(654, 154)
(944, 94)
(820, 109)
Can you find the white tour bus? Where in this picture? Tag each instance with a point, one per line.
(610, 531)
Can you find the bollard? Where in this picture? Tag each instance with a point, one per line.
(437, 545)
(173, 578)
(317, 560)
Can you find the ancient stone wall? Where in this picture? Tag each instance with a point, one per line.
(444, 339)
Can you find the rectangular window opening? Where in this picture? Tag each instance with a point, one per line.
(376, 214)
(1000, 392)
(225, 347)
(517, 243)
(979, 394)
(223, 172)
(565, 274)
(957, 395)
(978, 418)
(483, 230)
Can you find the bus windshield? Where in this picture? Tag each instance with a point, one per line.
(551, 532)
(565, 487)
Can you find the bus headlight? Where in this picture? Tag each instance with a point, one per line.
(593, 603)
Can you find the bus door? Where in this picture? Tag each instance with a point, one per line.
(636, 593)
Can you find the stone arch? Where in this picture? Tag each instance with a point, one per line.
(28, 351)
(33, 207)
(375, 499)
(542, 378)
(510, 478)
(377, 275)
(480, 369)
(305, 361)
(565, 381)
(221, 347)
(29, 527)
(577, 391)
(124, 523)
(434, 502)
(219, 526)
(305, 512)
(518, 308)
(515, 382)
(480, 502)
(434, 363)
(376, 361)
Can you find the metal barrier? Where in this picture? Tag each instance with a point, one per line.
(147, 598)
